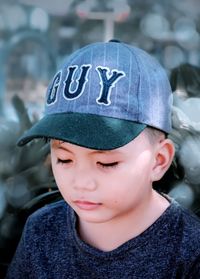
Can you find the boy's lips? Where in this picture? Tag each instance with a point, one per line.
(86, 205)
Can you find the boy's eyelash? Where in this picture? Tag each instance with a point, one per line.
(108, 165)
(103, 165)
(60, 161)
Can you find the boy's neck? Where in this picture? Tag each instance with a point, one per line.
(110, 235)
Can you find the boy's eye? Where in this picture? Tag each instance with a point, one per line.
(60, 161)
(108, 165)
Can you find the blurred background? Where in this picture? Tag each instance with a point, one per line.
(35, 37)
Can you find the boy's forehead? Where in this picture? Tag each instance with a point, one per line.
(67, 146)
(140, 140)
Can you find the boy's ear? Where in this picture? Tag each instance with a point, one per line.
(163, 159)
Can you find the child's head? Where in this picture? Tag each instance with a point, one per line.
(108, 110)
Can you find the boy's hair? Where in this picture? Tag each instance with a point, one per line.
(154, 134)
(104, 96)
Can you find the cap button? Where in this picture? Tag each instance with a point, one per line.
(114, 41)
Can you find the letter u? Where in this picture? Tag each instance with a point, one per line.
(81, 82)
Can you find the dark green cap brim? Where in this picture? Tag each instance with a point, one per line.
(87, 130)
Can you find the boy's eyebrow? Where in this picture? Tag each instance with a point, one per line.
(105, 151)
(92, 152)
(63, 148)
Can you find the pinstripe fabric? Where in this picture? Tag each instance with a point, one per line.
(143, 94)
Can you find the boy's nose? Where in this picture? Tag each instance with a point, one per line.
(84, 182)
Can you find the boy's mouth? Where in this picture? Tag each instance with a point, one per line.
(86, 205)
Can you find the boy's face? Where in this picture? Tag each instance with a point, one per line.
(104, 185)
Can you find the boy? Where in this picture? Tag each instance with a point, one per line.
(108, 111)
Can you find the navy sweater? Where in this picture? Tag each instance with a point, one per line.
(51, 248)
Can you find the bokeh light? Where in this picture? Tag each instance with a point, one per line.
(14, 17)
(189, 156)
(39, 19)
(184, 28)
(183, 194)
(173, 56)
(186, 34)
(154, 25)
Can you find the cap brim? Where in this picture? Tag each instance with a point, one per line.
(87, 130)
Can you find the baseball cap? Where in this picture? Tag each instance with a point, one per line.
(104, 95)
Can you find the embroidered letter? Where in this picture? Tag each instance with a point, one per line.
(107, 82)
(81, 82)
(52, 93)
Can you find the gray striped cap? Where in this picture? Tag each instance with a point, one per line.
(103, 96)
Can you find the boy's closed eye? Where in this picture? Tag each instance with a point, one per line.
(61, 161)
(101, 164)
(108, 165)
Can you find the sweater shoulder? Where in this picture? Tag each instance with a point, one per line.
(48, 215)
(189, 234)
(191, 223)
